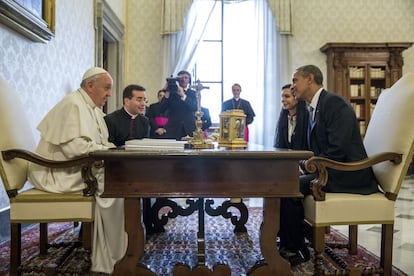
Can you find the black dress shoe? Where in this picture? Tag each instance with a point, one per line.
(305, 253)
(295, 258)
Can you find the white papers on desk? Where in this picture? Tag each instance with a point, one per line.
(154, 144)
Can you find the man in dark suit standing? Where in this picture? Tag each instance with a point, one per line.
(181, 103)
(333, 133)
(238, 103)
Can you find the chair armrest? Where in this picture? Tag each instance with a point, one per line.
(319, 165)
(85, 162)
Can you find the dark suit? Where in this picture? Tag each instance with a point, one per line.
(291, 209)
(118, 123)
(247, 109)
(240, 104)
(119, 127)
(206, 119)
(299, 139)
(336, 135)
(180, 114)
(154, 111)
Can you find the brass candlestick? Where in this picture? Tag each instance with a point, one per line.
(198, 141)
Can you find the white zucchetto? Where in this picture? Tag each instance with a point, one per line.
(93, 72)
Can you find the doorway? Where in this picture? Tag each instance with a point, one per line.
(110, 50)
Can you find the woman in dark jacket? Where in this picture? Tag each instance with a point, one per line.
(293, 122)
(291, 133)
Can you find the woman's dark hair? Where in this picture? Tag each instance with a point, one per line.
(286, 86)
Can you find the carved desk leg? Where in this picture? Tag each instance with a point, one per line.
(133, 226)
(158, 221)
(276, 265)
(223, 211)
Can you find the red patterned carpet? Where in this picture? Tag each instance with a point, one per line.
(179, 245)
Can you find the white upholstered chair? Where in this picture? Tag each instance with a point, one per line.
(389, 145)
(17, 144)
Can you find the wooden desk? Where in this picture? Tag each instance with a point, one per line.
(217, 173)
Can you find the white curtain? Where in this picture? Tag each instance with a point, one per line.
(282, 11)
(268, 73)
(258, 68)
(173, 14)
(179, 48)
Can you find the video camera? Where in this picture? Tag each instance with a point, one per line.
(172, 84)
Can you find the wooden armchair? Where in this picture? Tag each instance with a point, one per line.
(389, 142)
(29, 205)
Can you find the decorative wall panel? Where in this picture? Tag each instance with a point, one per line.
(144, 46)
(42, 74)
(317, 22)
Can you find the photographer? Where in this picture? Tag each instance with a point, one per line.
(181, 103)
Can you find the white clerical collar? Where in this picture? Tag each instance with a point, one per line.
(132, 116)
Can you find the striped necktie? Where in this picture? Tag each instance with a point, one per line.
(310, 125)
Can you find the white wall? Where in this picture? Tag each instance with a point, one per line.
(144, 46)
(42, 74)
(316, 22)
(119, 8)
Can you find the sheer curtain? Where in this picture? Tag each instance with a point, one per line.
(252, 48)
(179, 48)
(260, 76)
(276, 72)
(255, 55)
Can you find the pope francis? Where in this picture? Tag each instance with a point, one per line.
(75, 127)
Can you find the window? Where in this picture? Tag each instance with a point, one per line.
(238, 44)
(221, 58)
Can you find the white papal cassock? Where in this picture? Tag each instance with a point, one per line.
(75, 127)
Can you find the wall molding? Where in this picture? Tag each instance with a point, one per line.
(110, 29)
(23, 21)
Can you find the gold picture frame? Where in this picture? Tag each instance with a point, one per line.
(33, 19)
